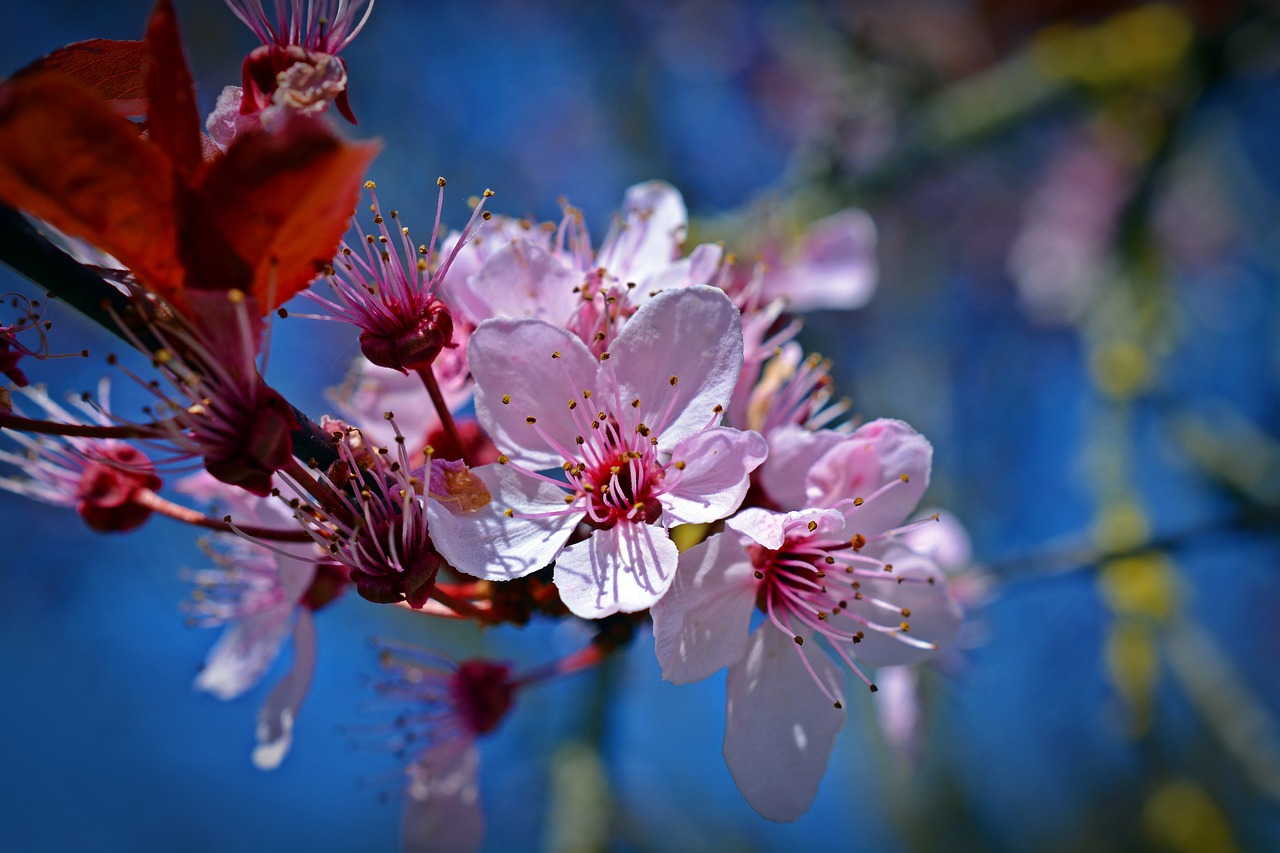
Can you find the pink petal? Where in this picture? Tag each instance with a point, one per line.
(934, 618)
(717, 472)
(878, 453)
(780, 728)
(648, 236)
(442, 800)
(835, 267)
(945, 541)
(522, 280)
(793, 452)
(702, 623)
(900, 712)
(693, 334)
(770, 528)
(698, 268)
(515, 358)
(276, 718)
(486, 543)
(621, 569)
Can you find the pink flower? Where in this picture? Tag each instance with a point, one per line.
(261, 598)
(634, 433)
(835, 572)
(553, 274)
(451, 706)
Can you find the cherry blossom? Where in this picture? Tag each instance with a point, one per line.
(834, 572)
(635, 434)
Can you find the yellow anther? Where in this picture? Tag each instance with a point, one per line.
(858, 501)
(813, 525)
(531, 420)
(674, 381)
(502, 459)
(370, 185)
(680, 465)
(506, 399)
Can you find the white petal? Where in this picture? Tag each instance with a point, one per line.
(624, 568)
(702, 623)
(780, 727)
(693, 334)
(770, 528)
(717, 472)
(244, 652)
(515, 358)
(698, 268)
(486, 543)
(442, 800)
(276, 718)
(647, 238)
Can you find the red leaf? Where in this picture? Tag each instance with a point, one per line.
(116, 70)
(173, 119)
(282, 201)
(67, 158)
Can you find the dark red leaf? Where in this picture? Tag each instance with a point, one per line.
(116, 70)
(173, 119)
(67, 158)
(281, 200)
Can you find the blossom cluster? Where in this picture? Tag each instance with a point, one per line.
(539, 425)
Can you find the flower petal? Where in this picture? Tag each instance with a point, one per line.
(779, 727)
(513, 359)
(693, 335)
(703, 621)
(834, 268)
(698, 268)
(793, 452)
(486, 543)
(878, 453)
(770, 528)
(717, 472)
(244, 652)
(275, 719)
(442, 800)
(522, 280)
(648, 235)
(621, 569)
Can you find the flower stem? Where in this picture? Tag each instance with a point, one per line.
(169, 509)
(442, 409)
(78, 430)
(462, 607)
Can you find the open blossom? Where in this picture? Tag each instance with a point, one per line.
(834, 572)
(261, 598)
(102, 478)
(449, 706)
(554, 274)
(635, 435)
(384, 285)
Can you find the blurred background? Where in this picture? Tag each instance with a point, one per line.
(1077, 205)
